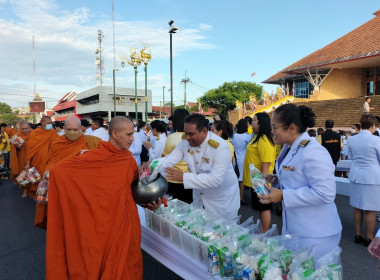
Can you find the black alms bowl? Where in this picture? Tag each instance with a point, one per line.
(144, 194)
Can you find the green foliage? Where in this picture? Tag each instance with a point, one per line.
(168, 104)
(5, 108)
(224, 97)
(194, 108)
(190, 109)
(9, 119)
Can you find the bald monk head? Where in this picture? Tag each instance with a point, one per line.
(25, 128)
(121, 132)
(46, 123)
(73, 128)
(18, 125)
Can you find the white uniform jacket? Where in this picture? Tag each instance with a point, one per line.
(136, 147)
(306, 176)
(364, 150)
(156, 151)
(211, 175)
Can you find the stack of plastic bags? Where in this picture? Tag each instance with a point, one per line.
(244, 252)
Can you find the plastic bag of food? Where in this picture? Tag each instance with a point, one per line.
(41, 193)
(17, 141)
(33, 175)
(22, 178)
(329, 266)
(303, 264)
(150, 174)
(254, 247)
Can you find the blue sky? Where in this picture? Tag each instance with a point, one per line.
(218, 41)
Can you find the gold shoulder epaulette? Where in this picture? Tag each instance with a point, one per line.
(183, 136)
(213, 143)
(304, 143)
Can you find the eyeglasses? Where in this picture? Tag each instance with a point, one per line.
(274, 128)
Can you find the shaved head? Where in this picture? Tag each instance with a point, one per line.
(121, 133)
(45, 119)
(118, 123)
(25, 128)
(72, 121)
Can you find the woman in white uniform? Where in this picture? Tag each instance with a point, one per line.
(240, 140)
(305, 182)
(159, 129)
(364, 176)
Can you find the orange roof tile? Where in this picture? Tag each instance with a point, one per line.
(362, 42)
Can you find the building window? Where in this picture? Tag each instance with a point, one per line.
(302, 88)
(370, 73)
(369, 88)
(119, 101)
(132, 101)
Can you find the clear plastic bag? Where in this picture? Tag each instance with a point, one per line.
(22, 178)
(42, 192)
(33, 175)
(151, 174)
(329, 266)
(303, 264)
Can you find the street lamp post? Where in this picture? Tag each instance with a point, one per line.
(173, 29)
(135, 62)
(114, 91)
(146, 57)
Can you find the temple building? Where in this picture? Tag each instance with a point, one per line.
(349, 67)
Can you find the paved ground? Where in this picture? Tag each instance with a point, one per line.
(22, 245)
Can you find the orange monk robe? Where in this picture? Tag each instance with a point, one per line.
(37, 151)
(18, 157)
(11, 131)
(93, 225)
(62, 148)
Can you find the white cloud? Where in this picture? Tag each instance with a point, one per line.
(205, 27)
(65, 42)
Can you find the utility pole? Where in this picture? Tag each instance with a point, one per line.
(160, 110)
(185, 81)
(34, 66)
(99, 60)
(163, 97)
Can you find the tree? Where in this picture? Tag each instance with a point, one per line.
(9, 119)
(168, 104)
(190, 109)
(224, 97)
(5, 108)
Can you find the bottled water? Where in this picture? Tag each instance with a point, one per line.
(228, 265)
(257, 180)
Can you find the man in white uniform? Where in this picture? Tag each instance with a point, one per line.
(98, 130)
(211, 175)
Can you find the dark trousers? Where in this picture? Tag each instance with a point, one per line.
(178, 191)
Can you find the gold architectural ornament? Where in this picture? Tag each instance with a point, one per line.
(145, 54)
(239, 105)
(252, 99)
(135, 58)
(37, 97)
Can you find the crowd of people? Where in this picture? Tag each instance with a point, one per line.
(91, 219)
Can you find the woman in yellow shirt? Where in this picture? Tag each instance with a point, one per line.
(261, 151)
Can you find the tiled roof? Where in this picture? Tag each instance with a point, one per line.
(362, 42)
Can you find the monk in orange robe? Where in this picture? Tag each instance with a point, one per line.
(18, 155)
(12, 131)
(38, 147)
(93, 227)
(69, 145)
